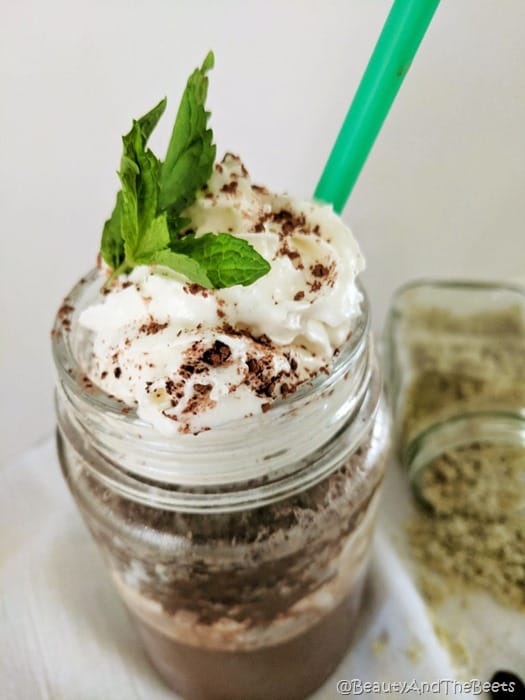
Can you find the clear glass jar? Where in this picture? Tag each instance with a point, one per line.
(455, 355)
(240, 552)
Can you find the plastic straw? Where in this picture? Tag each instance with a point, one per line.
(403, 31)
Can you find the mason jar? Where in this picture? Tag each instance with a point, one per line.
(455, 356)
(241, 552)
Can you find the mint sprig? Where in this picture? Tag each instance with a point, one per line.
(227, 260)
(147, 220)
(191, 152)
(120, 230)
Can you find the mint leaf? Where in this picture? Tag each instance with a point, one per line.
(226, 259)
(138, 174)
(147, 189)
(150, 120)
(112, 244)
(155, 239)
(177, 223)
(123, 225)
(129, 222)
(191, 153)
(140, 171)
(184, 265)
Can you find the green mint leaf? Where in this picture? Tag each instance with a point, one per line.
(154, 240)
(150, 120)
(112, 244)
(147, 190)
(226, 259)
(139, 172)
(191, 153)
(129, 222)
(184, 265)
(136, 203)
(176, 224)
(140, 168)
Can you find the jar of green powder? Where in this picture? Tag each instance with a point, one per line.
(455, 357)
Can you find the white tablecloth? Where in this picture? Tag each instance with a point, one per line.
(65, 635)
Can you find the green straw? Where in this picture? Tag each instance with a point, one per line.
(403, 31)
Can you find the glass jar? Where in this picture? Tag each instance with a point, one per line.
(241, 552)
(455, 355)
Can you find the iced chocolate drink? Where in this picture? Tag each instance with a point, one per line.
(225, 442)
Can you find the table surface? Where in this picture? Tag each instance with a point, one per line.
(65, 635)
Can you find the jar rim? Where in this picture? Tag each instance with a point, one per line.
(374, 422)
(495, 427)
(457, 283)
(64, 356)
(297, 443)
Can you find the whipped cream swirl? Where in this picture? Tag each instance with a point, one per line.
(190, 358)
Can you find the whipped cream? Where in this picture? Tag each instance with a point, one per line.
(191, 358)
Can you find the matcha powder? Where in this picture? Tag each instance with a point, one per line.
(469, 528)
(471, 535)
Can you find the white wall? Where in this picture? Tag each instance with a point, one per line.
(442, 193)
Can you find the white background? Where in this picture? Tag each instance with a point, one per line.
(443, 192)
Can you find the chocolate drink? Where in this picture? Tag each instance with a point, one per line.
(252, 604)
(278, 671)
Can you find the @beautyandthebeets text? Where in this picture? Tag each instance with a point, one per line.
(444, 686)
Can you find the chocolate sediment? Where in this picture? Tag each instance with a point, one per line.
(268, 572)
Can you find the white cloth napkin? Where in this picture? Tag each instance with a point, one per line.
(65, 635)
